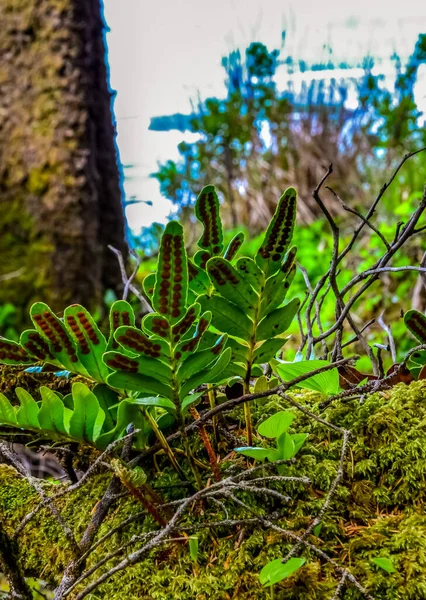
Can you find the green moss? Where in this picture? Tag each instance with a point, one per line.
(378, 511)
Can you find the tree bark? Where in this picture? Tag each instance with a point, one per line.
(60, 188)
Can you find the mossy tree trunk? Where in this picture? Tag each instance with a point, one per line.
(60, 194)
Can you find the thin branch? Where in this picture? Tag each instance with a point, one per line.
(146, 308)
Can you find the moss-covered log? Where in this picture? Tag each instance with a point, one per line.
(60, 197)
(377, 511)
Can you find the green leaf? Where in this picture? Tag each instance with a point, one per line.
(213, 374)
(278, 321)
(37, 347)
(200, 260)
(233, 246)
(184, 325)
(240, 351)
(190, 400)
(416, 323)
(148, 285)
(258, 453)
(288, 261)
(91, 343)
(275, 571)
(419, 357)
(327, 382)
(106, 398)
(190, 344)
(207, 211)
(7, 411)
(129, 380)
(317, 529)
(286, 447)
(11, 353)
(88, 417)
(277, 424)
(27, 413)
(171, 282)
(384, 563)
(51, 415)
(120, 314)
(199, 281)
(150, 367)
(268, 350)
(251, 273)
(200, 360)
(227, 317)
(298, 440)
(261, 385)
(53, 330)
(230, 285)
(279, 233)
(137, 343)
(155, 401)
(127, 413)
(276, 289)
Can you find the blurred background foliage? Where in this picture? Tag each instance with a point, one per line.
(257, 140)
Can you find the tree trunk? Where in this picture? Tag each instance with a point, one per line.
(60, 192)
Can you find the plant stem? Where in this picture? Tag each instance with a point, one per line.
(212, 401)
(247, 411)
(164, 444)
(207, 444)
(272, 592)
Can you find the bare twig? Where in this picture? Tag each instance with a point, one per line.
(391, 340)
(146, 308)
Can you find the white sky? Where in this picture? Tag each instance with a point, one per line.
(162, 52)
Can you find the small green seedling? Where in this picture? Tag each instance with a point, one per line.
(287, 444)
(275, 571)
(193, 548)
(326, 383)
(384, 563)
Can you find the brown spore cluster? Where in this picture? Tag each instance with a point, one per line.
(177, 290)
(171, 286)
(138, 342)
(11, 351)
(281, 231)
(289, 261)
(233, 248)
(119, 318)
(56, 334)
(160, 327)
(192, 270)
(217, 349)
(223, 273)
(204, 258)
(417, 324)
(122, 363)
(209, 214)
(182, 327)
(37, 346)
(191, 344)
(81, 340)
